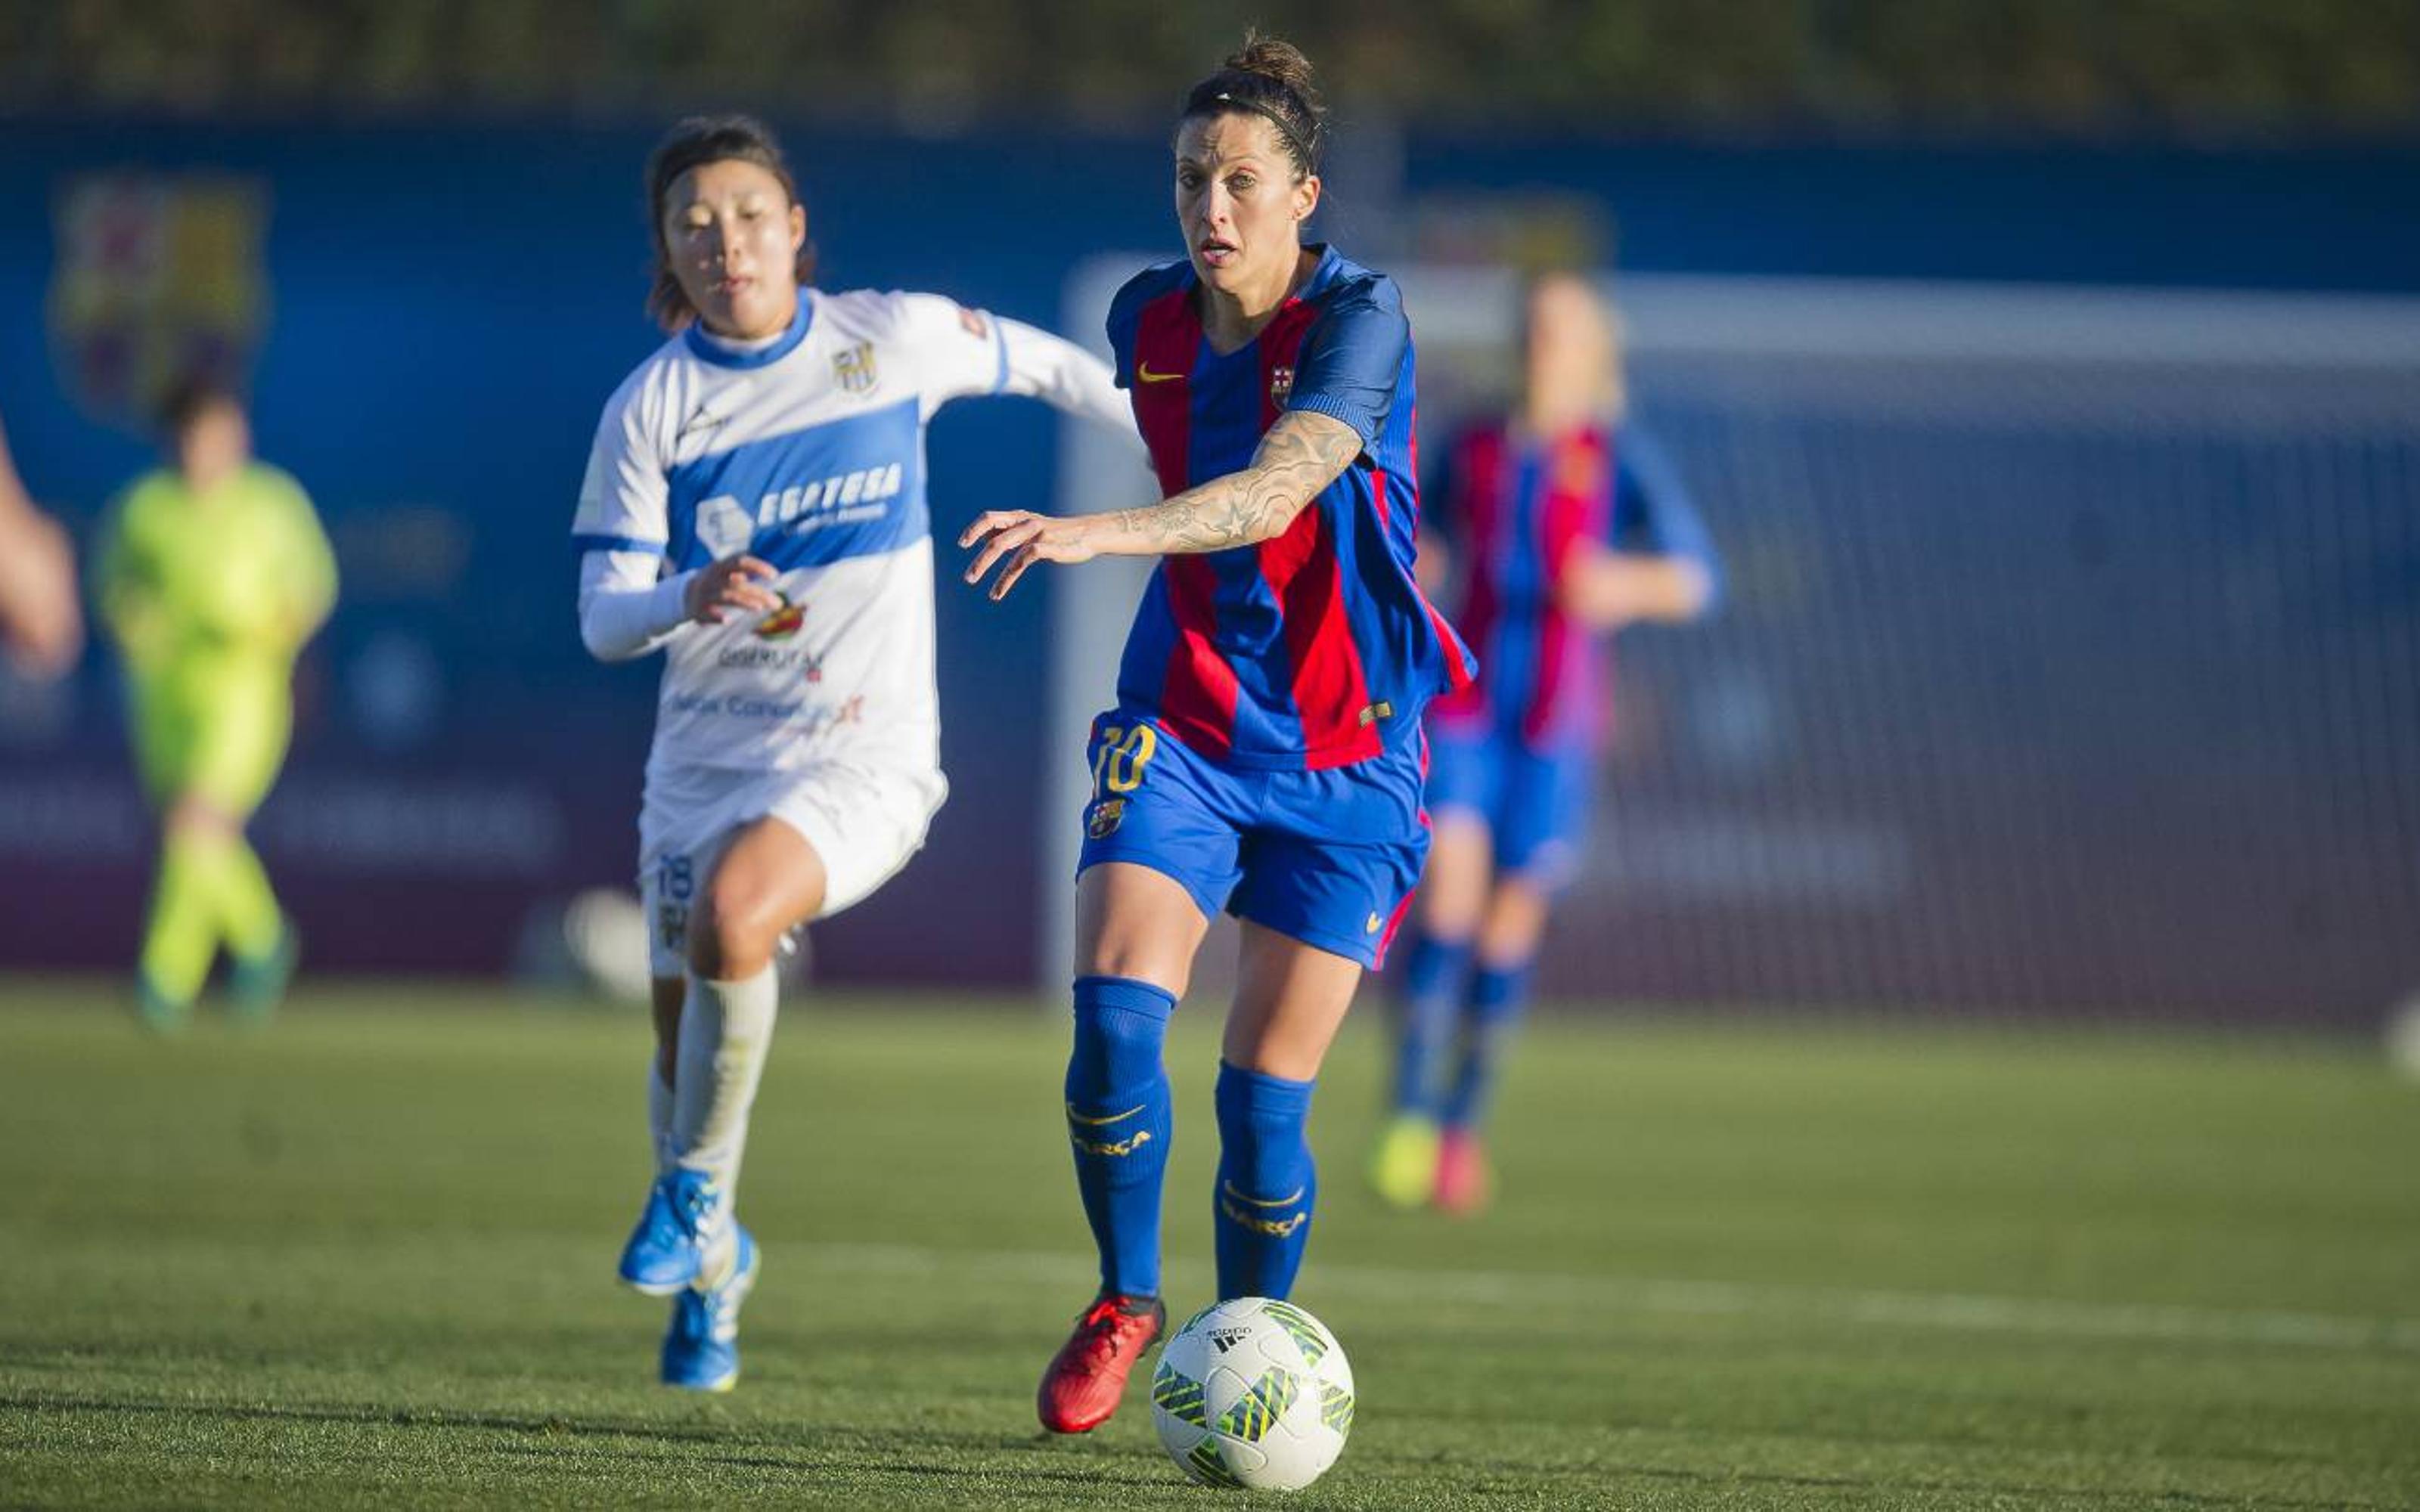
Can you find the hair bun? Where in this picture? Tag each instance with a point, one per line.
(1271, 79)
(1281, 62)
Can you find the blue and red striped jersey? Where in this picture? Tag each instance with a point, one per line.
(1314, 649)
(1513, 507)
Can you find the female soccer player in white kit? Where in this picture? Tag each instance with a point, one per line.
(754, 507)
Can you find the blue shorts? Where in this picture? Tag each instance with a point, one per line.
(1535, 803)
(1326, 857)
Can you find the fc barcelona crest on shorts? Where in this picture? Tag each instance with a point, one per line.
(1281, 385)
(854, 367)
(1107, 816)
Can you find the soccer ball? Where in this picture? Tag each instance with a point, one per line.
(1253, 1395)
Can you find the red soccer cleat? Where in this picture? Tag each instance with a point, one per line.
(1086, 1377)
(1465, 1184)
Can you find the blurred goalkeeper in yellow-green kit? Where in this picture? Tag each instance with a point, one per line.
(212, 574)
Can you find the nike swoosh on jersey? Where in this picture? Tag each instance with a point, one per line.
(1147, 376)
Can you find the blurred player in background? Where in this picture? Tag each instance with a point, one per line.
(212, 573)
(1264, 755)
(1560, 524)
(41, 629)
(754, 507)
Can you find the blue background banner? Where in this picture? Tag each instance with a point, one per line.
(438, 316)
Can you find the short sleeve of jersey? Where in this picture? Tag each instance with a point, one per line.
(313, 564)
(1125, 322)
(293, 502)
(622, 498)
(957, 351)
(1651, 512)
(1353, 357)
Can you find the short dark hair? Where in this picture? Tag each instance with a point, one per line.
(692, 143)
(186, 399)
(1270, 79)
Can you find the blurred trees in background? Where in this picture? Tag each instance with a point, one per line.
(2156, 69)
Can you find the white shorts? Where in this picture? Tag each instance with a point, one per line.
(864, 822)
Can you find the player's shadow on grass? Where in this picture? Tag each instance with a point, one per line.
(902, 1452)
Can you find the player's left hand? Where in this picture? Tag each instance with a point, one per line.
(1025, 538)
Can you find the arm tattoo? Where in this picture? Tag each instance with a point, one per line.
(1302, 454)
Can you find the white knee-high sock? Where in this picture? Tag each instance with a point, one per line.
(660, 1115)
(726, 1028)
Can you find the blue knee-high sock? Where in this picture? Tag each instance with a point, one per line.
(1497, 996)
(1267, 1184)
(1433, 985)
(1118, 1124)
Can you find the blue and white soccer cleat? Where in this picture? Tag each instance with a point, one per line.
(702, 1349)
(685, 1209)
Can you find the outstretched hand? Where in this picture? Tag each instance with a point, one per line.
(1023, 539)
(732, 584)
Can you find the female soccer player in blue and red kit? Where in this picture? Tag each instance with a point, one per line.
(1265, 753)
(1561, 524)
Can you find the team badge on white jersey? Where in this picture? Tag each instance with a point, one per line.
(853, 369)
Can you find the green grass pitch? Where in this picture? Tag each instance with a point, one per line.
(366, 1258)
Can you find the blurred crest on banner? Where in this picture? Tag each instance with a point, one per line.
(156, 277)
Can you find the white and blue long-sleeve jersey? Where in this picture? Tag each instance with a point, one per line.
(808, 452)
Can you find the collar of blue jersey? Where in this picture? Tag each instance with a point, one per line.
(706, 348)
(1323, 272)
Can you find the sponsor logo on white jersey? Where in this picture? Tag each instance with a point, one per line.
(866, 486)
(724, 527)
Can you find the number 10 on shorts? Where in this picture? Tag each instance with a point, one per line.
(1119, 757)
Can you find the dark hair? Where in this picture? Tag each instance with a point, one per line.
(189, 397)
(691, 143)
(1270, 79)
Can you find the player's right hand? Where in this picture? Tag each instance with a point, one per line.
(733, 585)
(1023, 539)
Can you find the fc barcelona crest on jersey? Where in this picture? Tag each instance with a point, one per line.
(1281, 385)
(1107, 816)
(854, 367)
